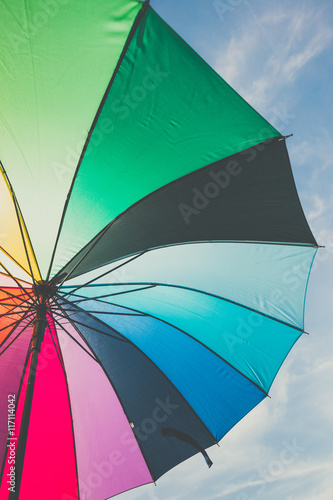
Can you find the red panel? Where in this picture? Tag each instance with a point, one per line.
(9, 305)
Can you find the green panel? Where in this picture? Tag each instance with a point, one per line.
(57, 58)
(167, 114)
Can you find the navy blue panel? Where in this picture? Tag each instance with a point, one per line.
(149, 399)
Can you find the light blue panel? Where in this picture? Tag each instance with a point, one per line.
(218, 394)
(269, 278)
(252, 343)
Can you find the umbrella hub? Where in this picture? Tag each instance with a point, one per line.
(45, 290)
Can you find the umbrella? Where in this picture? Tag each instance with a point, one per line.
(154, 252)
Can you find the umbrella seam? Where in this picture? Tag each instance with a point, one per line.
(198, 291)
(18, 399)
(116, 392)
(99, 110)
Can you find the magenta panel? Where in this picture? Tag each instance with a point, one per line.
(108, 457)
(50, 448)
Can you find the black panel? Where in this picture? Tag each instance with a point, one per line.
(149, 399)
(250, 196)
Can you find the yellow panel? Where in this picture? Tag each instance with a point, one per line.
(11, 241)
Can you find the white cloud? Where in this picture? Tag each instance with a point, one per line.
(319, 207)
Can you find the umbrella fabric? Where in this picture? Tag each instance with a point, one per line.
(155, 214)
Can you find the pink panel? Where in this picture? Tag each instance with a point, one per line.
(108, 457)
(49, 469)
(7, 281)
(11, 450)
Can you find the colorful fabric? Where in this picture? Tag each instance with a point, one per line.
(154, 212)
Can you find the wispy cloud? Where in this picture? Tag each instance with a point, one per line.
(271, 49)
(261, 63)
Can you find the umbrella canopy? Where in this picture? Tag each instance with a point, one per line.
(154, 253)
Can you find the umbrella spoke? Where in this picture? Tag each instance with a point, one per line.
(108, 312)
(113, 294)
(79, 311)
(77, 322)
(20, 220)
(11, 313)
(5, 290)
(21, 280)
(18, 283)
(104, 273)
(15, 306)
(57, 351)
(13, 330)
(15, 262)
(73, 338)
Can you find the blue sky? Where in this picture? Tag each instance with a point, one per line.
(278, 56)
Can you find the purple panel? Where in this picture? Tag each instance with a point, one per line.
(108, 457)
(11, 369)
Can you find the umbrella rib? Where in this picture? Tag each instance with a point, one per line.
(10, 313)
(73, 338)
(104, 273)
(18, 283)
(24, 242)
(108, 312)
(113, 294)
(193, 338)
(15, 262)
(14, 306)
(18, 398)
(70, 410)
(10, 343)
(60, 359)
(5, 290)
(15, 297)
(22, 308)
(150, 285)
(6, 275)
(82, 324)
(14, 325)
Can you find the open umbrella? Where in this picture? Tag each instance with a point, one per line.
(154, 252)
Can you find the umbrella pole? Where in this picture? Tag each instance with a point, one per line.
(36, 341)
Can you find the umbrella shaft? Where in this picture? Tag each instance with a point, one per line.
(36, 341)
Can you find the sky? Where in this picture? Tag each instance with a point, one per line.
(278, 56)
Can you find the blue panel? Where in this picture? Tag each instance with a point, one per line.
(218, 394)
(252, 343)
